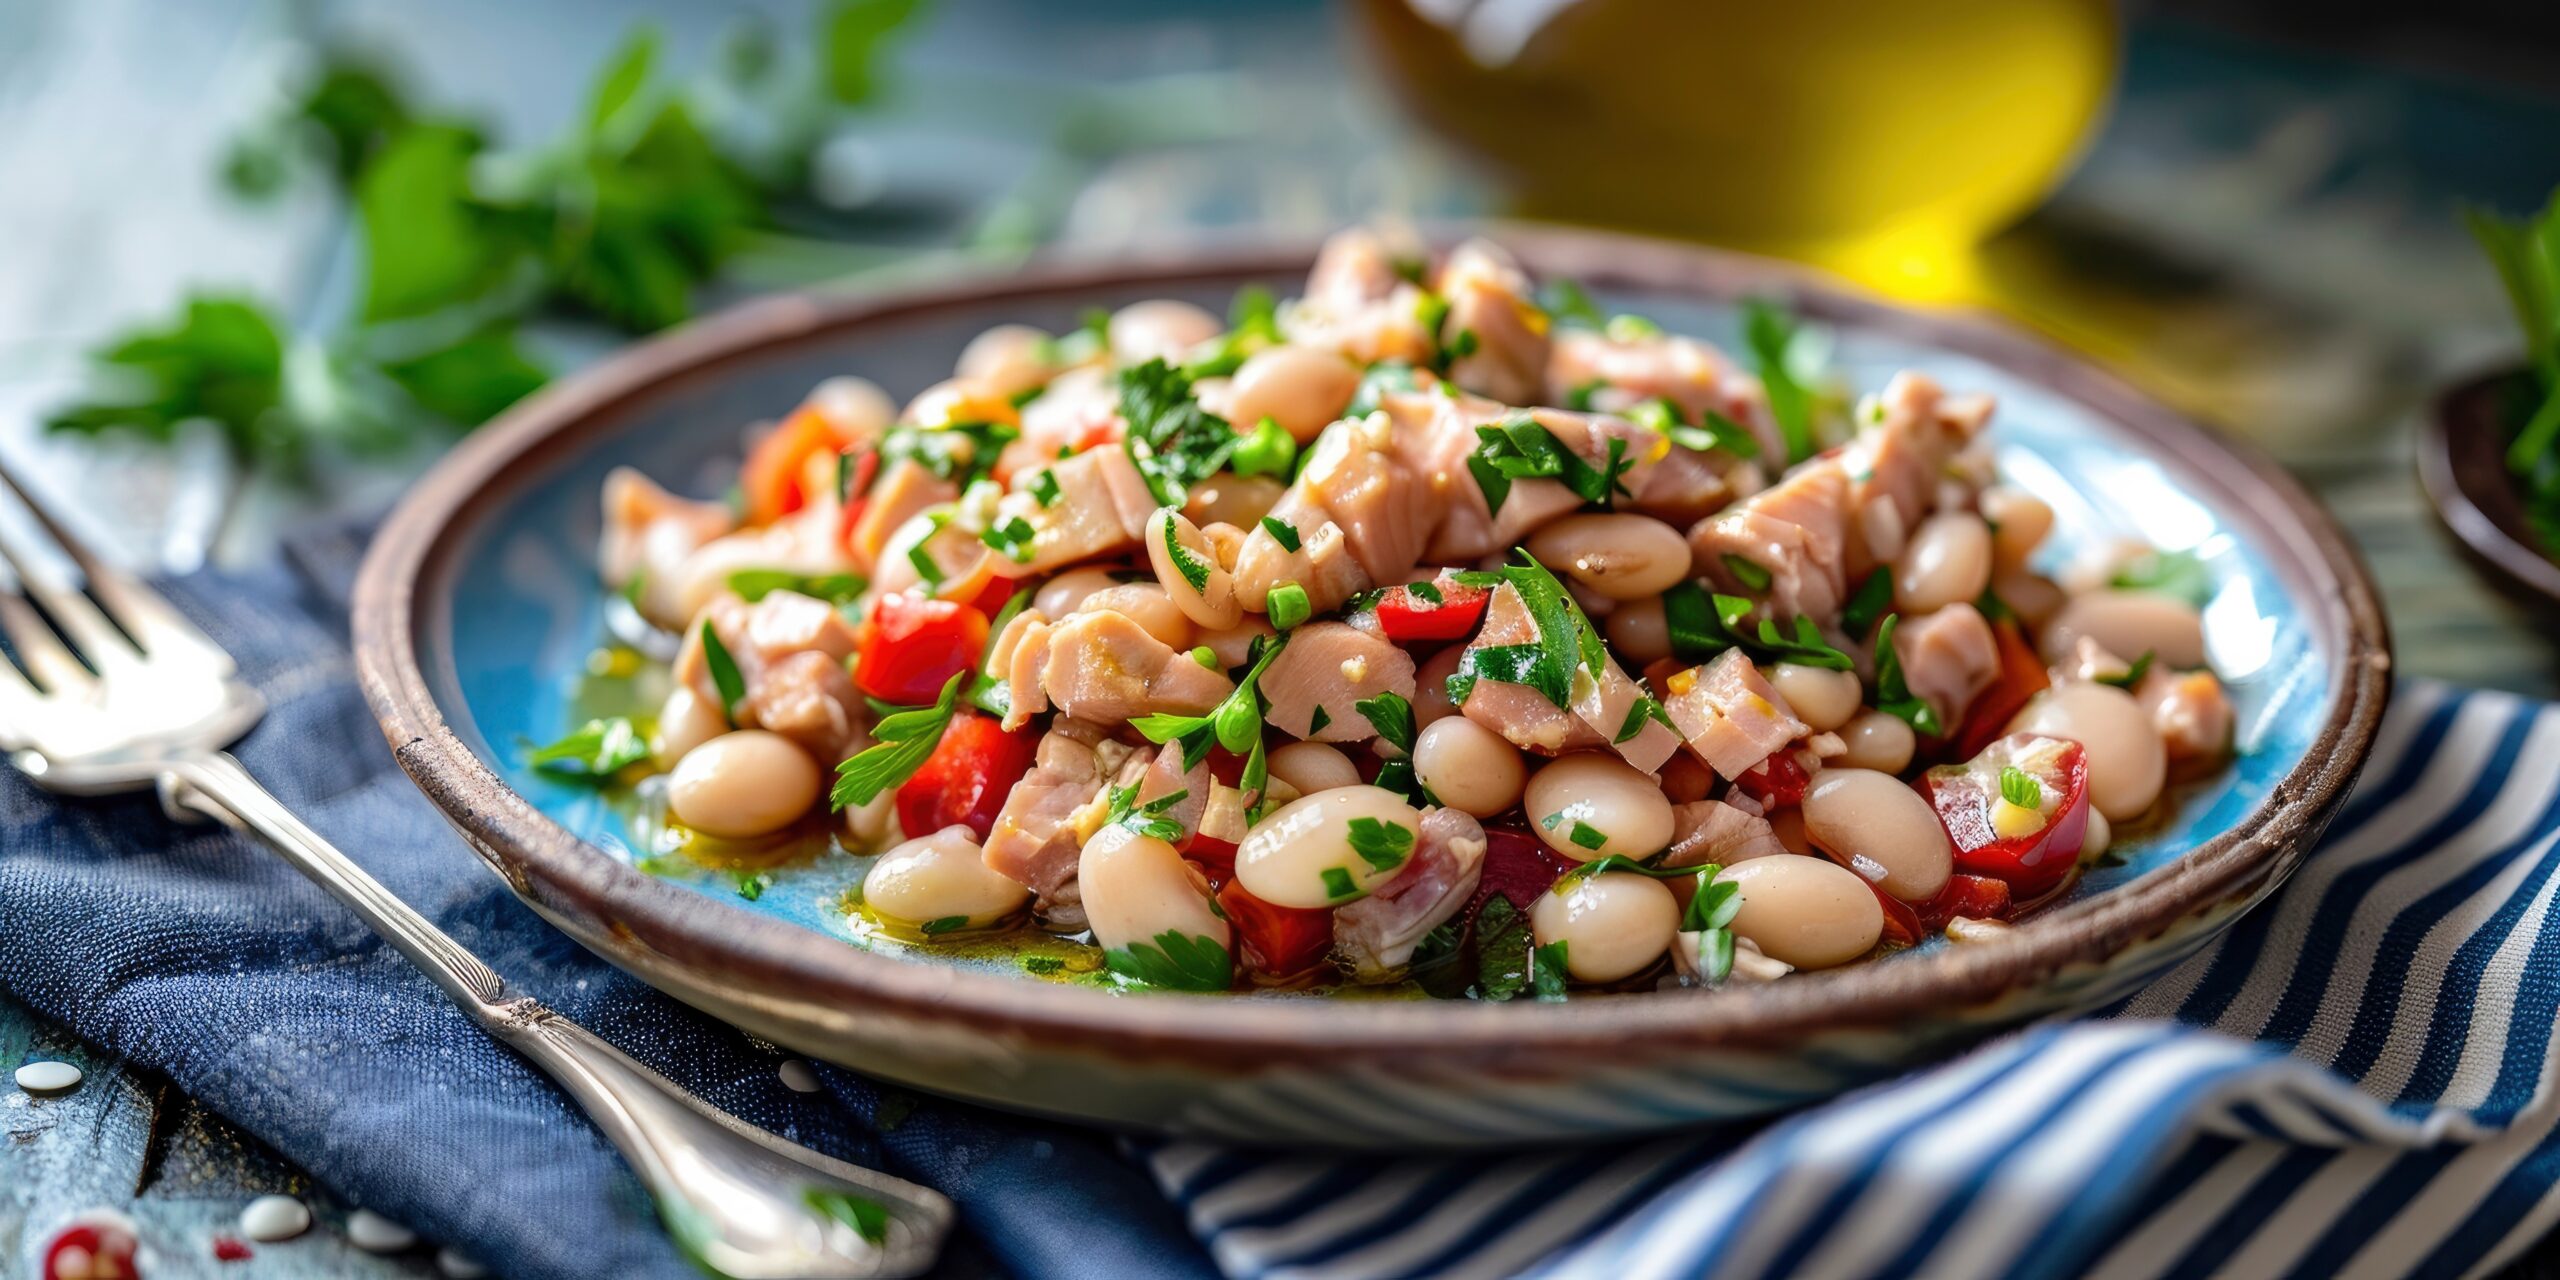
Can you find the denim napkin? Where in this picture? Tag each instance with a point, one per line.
(197, 953)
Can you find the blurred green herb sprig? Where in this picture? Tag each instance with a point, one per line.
(642, 200)
(2526, 253)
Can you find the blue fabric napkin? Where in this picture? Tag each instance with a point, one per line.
(2353, 1081)
(196, 952)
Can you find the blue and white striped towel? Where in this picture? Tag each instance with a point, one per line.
(2354, 1081)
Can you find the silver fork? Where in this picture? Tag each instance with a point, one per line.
(154, 704)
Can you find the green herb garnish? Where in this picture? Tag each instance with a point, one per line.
(1517, 448)
(2179, 574)
(724, 672)
(753, 585)
(1174, 442)
(1284, 533)
(1338, 885)
(1044, 487)
(1710, 914)
(868, 1217)
(2131, 676)
(1265, 451)
(596, 750)
(1148, 819)
(2019, 787)
(1548, 971)
(1177, 961)
(1893, 696)
(945, 924)
(1235, 723)
(1392, 716)
(1186, 562)
(1011, 538)
(1872, 600)
(1772, 335)
(1747, 572)
(905, 740)
(1383, 845)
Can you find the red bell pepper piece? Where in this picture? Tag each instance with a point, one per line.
(1777, 782)
(1978, 897)
(914, 645)
(968, 776)
(2033, 863)
(770, 481)
(1407, 618)
(1276, 943)
(2022, 676)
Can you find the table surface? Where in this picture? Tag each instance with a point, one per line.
(2264, 236)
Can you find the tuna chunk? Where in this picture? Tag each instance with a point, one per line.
(1322, 566)
(1489, 305)
(1103, 667)
(1524, 717)
(1039, 835)
(1078, 411)
(1330, 666)
(1378, 512)
(1948, 658)
(1434, 434)
(1374, 938)
(1713, 831)
(1895, 466)
(1359, 303)
(1100, 508)
(648, 533)
(1166, 776)
(1616, 374)
(1796, 531)
(790, 650)
(2193, 714)
(1732, 717)
(904, 489)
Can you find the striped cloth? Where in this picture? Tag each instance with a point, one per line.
(2351, 1082)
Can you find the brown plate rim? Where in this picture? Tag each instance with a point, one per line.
(756, 953)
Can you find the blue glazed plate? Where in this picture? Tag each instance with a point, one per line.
(479, 608)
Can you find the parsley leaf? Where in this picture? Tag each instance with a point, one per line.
(1720, 432)
(724, 672)
(1011, 538)
(1044, 487)
(1502, 950)
(905, 740)
(1642, 709)
(1869, 602)
(960, 452)
(753, 585)
(1518, 448)
(1566, 639)
(1548, 972)
(1338, 885)
(1383, 845)
(1772, 336)
(1565, 300)
(940, 925)
(1893, 696)
(2019, 787)
(2132, 676)
(1384, 376)
(1235, 723)
(1149, 819)
(595, 750)
(2179, 574)
(1282, 532)
(1186, 562)
(1174, 442)
(1267, 450)
(1392, 716)
(1696, 634)
(1710, 915)
(1749, 573)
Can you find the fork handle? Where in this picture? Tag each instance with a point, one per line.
(727, 1190)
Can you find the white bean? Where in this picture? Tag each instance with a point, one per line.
(1808, 912)
(1148, 605)
(1592, 804)
(1614, 925)
(1822, 698)
(1622, 557)
(742, 784)
(2129, 624)
(2100, 836)
(1212, 603)
(941, 876)
(1160, 327)
(1137, 888)
(854, 406)
(2019, 519)
(687, 721)
(2127, 762)
(1639, 632)
(1064, 594)
(1469, 767)
(1877, 740)
(1302, 855)
(1948, 561)
(1431, 686)
(1311, 767)
(1007, 360)
(1876, 818)
(1301, 388)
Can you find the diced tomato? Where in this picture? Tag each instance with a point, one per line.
(914, 645)
(968, 776)
(866, 468)
(1979, 897)
(1276, 943)
(1407, 618)
(1517, 866)
(991, 598)
(2034, 863)
(772, 479)
(1777, 782)
(2022, 676)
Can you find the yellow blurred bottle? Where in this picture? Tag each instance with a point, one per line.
(1882, 138)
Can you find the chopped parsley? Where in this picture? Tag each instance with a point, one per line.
(1571, 307)
(1710, 915)
(724, 672)
(1265, 451)
(753, 585)
(1659, 414)
(1893, 695)
(1288, 606)
(1464, 344)
(1748, 572)
(1696, 635)
(1383, 845)
(1518, 448)
(1284, 533)
(1152, 818)
(906, 739)
(1614, 862)
(2019, 787)
(1338, 885)
(2179, 574)
(1174, 442)
(962, 452)
(1176, 960)
(1044, 487)
(1042, 964)
(1317, 721)
(1235, 723)
(1872, 600)
(1502, 950)
(944, 924)
(1626, 326)
(988, 694)
(1392, 716)
(1012, 538)
(2132, 675)
(1642, 709)
(1382, 377)
(1586, 835)
(1255, 780)
(1548, 971)
(1186, 562)
(1253, 322)
(597, 749)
